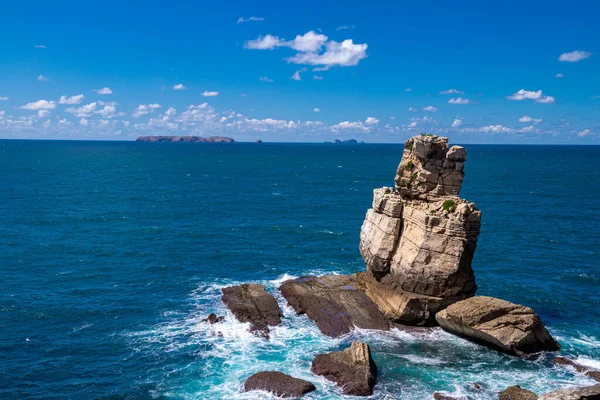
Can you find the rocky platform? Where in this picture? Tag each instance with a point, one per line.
(279, 384)
(251, 303)
(353, 369)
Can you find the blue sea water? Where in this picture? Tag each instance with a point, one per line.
(112, 253)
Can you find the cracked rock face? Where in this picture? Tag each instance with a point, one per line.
(419, 238)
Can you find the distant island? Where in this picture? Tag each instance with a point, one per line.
(349, 141)
(185, 139)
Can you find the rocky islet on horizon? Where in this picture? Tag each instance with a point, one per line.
(418, 241)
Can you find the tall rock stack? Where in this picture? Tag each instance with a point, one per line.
(418, 239)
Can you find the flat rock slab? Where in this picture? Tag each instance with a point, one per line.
(517, 393)
(585, 393)
(251, 303)
(279, 384)
(353, 369)
(337, 303)
(506, 326)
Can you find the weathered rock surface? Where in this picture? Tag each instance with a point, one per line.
(509, 327)
(517, 393)
(586, 393)
(279, 384)
(595, 375)
(337, 303)
(353, 369)
(418, 239)
(251, 303)
(184, 139)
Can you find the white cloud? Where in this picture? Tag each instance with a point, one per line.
(206, 93)
(40, 46)
(318, 78)
(496, 129)
(584, 132)
(109, 111)
(40, 105)
(3, 98)
(559, 75)
(412, 125)
(527, 119)
(143, 109)
(537, 95)
(451, 91)
(574, 56)
(317, 110)
(309, 42)
(104, 90)
(457, 122)
(83, 111)
(42, 78)
(266, 79)
(242, 19)
(408, 90)
(297, 76)
(266, 42)
(43, 113)
(358, 125)
(70, 100)
(345, 27)
(459, 100)
(430, 109)
(83, 122)
(179, 86)
(371, 121)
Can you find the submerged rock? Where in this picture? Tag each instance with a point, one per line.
(279, 384)
(517, 393)
(585, 393)
(213, 319)
(418, 239)
(353, 369)
(251, 303)
(509, 327)
(337, 303)
(595, 375)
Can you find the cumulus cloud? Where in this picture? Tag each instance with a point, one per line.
(109, 111)
(584, 132)
(43, 113)
(459, 100)
(496, 129)
(574, 56)
(249, 19)
(83, 111)
(430, 109)
(179, 86)
(84, 122)
(536, 95)
(266, 79)
(42, 78)
(457, 122)
(207, 93)
(371, 121)
(451, 91)
(527, 119)
(144, 109)
(310, 49)
(40, 105)
(356, 125)
(297, 76)
(70, 100)
(104, 90)
(3, 98)
(559, 75)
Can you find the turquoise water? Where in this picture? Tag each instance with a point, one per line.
(112, 253)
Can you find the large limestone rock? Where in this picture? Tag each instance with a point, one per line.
(353, 369)
(586, 393)
(509, 327)
(418, 239)
(279, 384)
(251, 303)
(337, 303)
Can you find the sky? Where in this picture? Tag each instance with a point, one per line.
(478, 72)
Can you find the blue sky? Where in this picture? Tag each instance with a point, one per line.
(478, 72)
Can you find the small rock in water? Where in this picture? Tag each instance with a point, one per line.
(251, 303)
(595, 375)
(213, 319)
(279, 384)
(517, 393)
(353, 369)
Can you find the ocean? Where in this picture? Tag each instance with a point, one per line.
(112, 254)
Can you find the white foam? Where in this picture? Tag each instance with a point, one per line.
(588, 362)
(422, 360)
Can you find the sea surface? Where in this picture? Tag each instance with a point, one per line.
(112, 254)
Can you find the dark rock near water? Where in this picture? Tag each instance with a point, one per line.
(251, 303)
(185, 139)
(506, 326)
(353, 369)
(442, 396)
(279, 384)
(517, 393)
(595, 375)
(213, 319)
(585, 393)
(337, 303)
